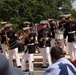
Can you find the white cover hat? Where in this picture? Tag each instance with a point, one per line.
(26, 22)
(44, 22)
(8, 25)
(3, 22)
(26, 28)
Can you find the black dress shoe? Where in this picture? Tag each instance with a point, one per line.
(27, 70)
(44, 66)
(23, 71)
(18, 66)
(27, 61)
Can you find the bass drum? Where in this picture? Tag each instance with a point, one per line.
(59, 35)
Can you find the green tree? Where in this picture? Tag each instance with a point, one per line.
(18, 11)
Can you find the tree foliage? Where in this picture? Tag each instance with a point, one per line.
(18, 11)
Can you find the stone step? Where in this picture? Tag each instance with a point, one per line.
(39, 56)
(38, 60)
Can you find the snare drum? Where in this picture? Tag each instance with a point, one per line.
(59, 35)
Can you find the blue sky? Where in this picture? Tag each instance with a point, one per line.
(74, 4)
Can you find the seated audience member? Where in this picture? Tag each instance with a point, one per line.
(60, 66)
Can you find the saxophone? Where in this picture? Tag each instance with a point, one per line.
(7, 42)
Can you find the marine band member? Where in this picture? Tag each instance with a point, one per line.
(52, 28)
(13, 45)
(62, 23)
(62, 26)
(70, 32)
(29, 49)
(3, 38)
(44, 38)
